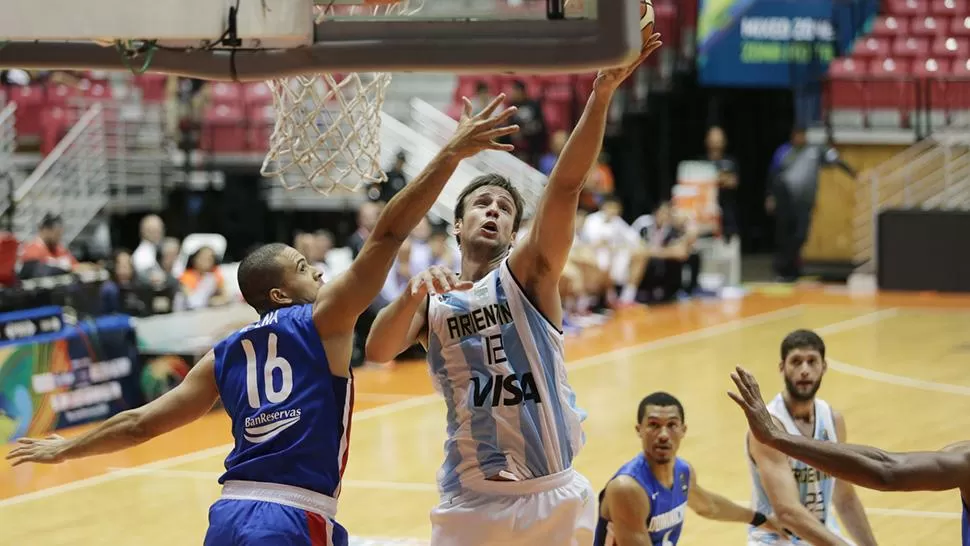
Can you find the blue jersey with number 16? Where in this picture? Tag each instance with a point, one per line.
(290, 415)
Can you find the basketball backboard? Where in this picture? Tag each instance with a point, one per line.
(264, 39)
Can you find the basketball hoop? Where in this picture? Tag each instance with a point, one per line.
(328, 127)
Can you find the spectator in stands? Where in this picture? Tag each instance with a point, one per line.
(556, 143)
(670, 242)
(483, 97)
(45, 255)
(396, 180)
(168, 255)
(599, 185)
(152, 231)
(202, 280)
(125, 291)
(531, 139)
(441, 250)
(322, 245)
(619, 250)
(367, 216)
(792, 188)
(727, 182)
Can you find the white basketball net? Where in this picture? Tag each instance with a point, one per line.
(328, 126)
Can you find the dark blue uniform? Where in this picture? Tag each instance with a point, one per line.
(291, 424)
(667, 506)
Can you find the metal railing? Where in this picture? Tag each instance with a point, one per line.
(932, 174)
(71, 181)
(8, 144)
(438, 127)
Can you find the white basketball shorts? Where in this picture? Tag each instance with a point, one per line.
(559, 509)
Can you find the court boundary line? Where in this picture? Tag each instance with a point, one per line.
(421, 400)
(422, 487)
(898, 380)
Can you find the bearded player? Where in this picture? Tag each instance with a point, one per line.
(802, 498)
(644, 503)
(495, 348)
(285, 380)
(871, 467)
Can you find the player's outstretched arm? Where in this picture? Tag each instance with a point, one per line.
(847, 502)
(538, 262)
(341, 301)
(188, 401)
(402, 323)
(779, 483)
(867, 466)
(629, 508)
(710, 505)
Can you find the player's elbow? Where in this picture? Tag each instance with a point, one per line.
(378, 348)
(790, 515)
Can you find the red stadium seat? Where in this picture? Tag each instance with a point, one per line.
(9, 247)
(55, 122)
(891, 92)
(30, 102)
(960, 26)
(958, 87)
(909, 47)
(951, 48)
(890, 26)
(908, 8)
(928, 26)
(261, 119)
(97, 92)
(223, 129)
(152, 86)
(257, 94)
(59, 94)
(934, 72)
(225, 93)
(949, 7)
(872, 47)
(845, 92)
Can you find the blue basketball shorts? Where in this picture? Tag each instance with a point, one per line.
(234, 522)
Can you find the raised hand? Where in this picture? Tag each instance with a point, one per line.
(436, 280)
(478, 132)
(762, 426)
(30, 450)
(611, 78)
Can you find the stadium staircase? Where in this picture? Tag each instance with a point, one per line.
(932, 174)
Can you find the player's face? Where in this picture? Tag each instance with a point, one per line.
(489, 217)
(803, 370)
(301, 281)
(661, 431)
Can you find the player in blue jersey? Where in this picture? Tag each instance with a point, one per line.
(871, 467)
(643, 504)
(495, 348)
(285, 380)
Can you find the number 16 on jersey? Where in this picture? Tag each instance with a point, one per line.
(272, 363)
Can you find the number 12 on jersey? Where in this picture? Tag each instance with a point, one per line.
(272, 363)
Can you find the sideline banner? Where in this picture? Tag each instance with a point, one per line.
(763, 43)
(81, 374)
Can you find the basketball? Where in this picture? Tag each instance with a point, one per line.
(646, 19)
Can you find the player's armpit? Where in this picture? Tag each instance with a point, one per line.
(779, 484)
(629, 508)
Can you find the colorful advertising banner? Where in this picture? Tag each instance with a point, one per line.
(81, 374)
(764, 43)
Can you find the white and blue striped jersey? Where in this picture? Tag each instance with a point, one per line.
(815, 488)
(498, 362)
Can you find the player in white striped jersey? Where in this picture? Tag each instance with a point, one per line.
(495, 347)
(801, 497)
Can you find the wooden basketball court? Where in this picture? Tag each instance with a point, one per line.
(898, 372)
